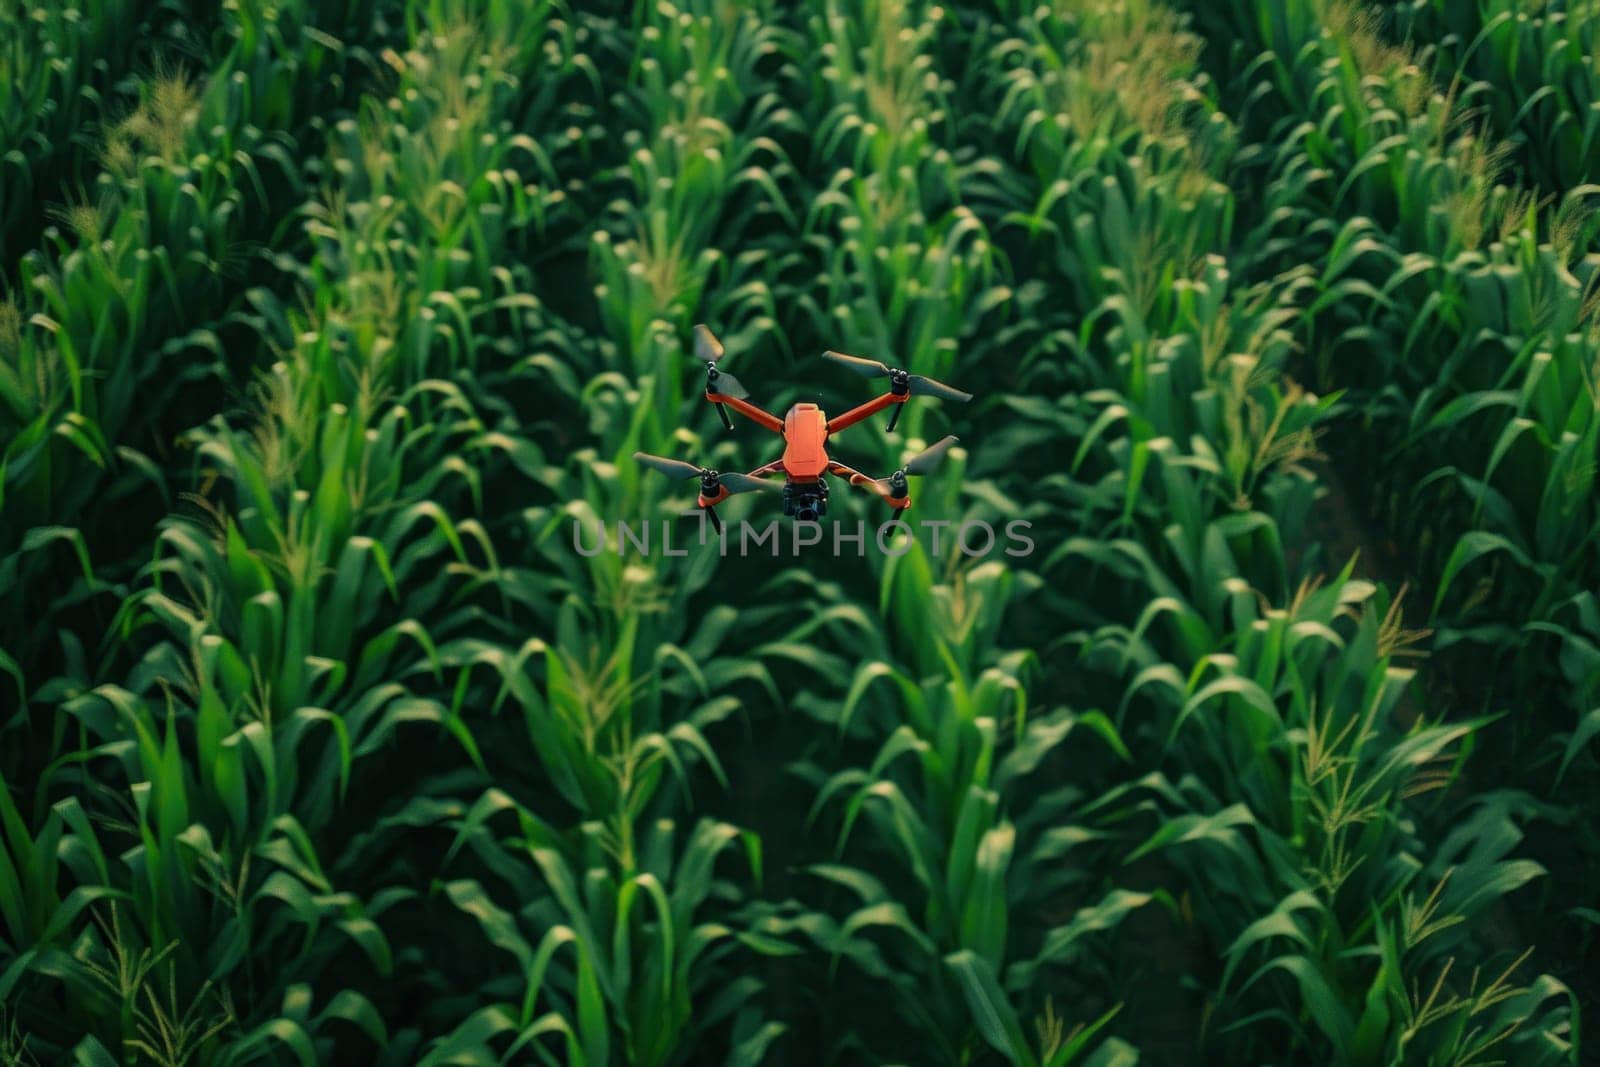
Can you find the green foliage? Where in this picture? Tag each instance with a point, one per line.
(1529, 68)
(323, 742)
(1457, 310)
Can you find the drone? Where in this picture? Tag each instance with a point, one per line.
(805, 429)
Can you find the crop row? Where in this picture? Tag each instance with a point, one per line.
(61, 71)
(603, 872)
(1457, 314)
(131, 311)
(372, 765)
(256, 692)
(1529, 71)
(1259, 743)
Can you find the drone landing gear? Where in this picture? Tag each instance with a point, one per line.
(716, 522)
(899, 385)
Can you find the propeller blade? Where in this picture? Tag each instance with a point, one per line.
(921, 386)
(672, 468)
(706, 346)
(928, 460)
(868, 368)
(726, 384)
(743, 483)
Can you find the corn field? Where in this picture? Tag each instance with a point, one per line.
(329, 331)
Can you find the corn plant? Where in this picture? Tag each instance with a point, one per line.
(1321, 853)
(963, 944)
(612, 940)
(61, 70)
(908, 271)
(1531, 71)
(698, 187)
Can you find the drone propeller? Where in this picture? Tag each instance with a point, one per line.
(672, 468)
(710, 480)
(899, 381)
(925, 462)
(706, 345)
(708, 350)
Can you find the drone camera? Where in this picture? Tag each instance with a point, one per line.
(805, 503)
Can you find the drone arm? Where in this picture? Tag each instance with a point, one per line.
(856, 478)
(867, 410)
(748, 410)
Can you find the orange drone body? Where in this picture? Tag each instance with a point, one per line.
(805, 441)
(806, 429)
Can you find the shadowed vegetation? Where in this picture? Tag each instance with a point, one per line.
(323, 738)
